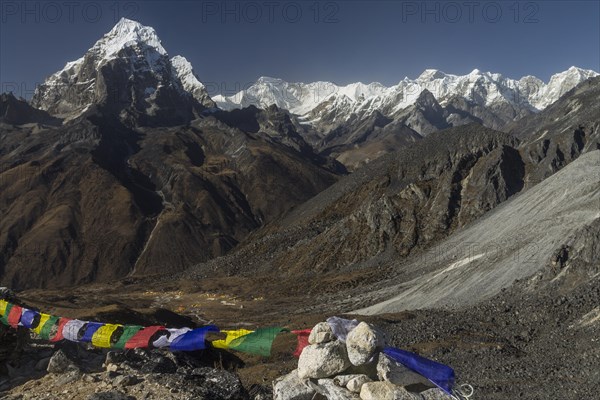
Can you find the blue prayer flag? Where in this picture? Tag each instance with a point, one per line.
(29, 317)
(192, 340)
(90, 329)
(439, 374)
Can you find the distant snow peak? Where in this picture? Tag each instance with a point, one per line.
(484, 88)
(269, 80)
(430, 74)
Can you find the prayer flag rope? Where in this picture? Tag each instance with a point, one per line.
(258, 342)
(116, 336)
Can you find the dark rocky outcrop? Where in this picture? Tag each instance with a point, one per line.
(15, 111)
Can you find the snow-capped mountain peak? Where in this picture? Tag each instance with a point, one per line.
(483, 88)
(135, 72)
(560, 84)
(430, 74)
(127, 33)
(269, 80)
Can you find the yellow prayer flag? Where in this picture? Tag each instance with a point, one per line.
(3, 305)
(102, 336)
(231, 335)
(43, 319)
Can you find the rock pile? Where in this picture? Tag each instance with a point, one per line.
(351, 367)
(76, 373)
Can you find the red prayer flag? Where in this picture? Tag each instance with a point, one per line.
(15, 316)
(142, 338)
(59, 333)
(302, 340)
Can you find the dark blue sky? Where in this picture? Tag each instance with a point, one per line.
(339, 41)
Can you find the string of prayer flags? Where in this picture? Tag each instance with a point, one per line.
(258, 342)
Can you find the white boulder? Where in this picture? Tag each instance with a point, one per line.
(321, 333)
(323, 360)
(363, 342)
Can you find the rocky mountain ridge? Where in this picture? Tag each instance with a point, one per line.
(128, 73)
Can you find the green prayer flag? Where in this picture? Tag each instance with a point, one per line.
(258, 342)
(47, 328)
(129, 331)
(4, 318)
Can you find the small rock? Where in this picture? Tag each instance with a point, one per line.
(391, 371)
(327, 388)
(67, 378)
(435, 394)
(385, 391)
(125, 380)
(362, 342)
(291, 387)
(112, 367)
(42, 365)
(59, 363)
(114, 357)
(342, 380)
(321, 333)
(323, 360)
(355, 384)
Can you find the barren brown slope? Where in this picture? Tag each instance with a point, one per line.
(94, 200)
(392, 207)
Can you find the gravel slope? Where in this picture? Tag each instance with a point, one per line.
(511, 242)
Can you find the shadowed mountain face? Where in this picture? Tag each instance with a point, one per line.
(15, 111)
(396, 205)
(95, 200)
(562, 132)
